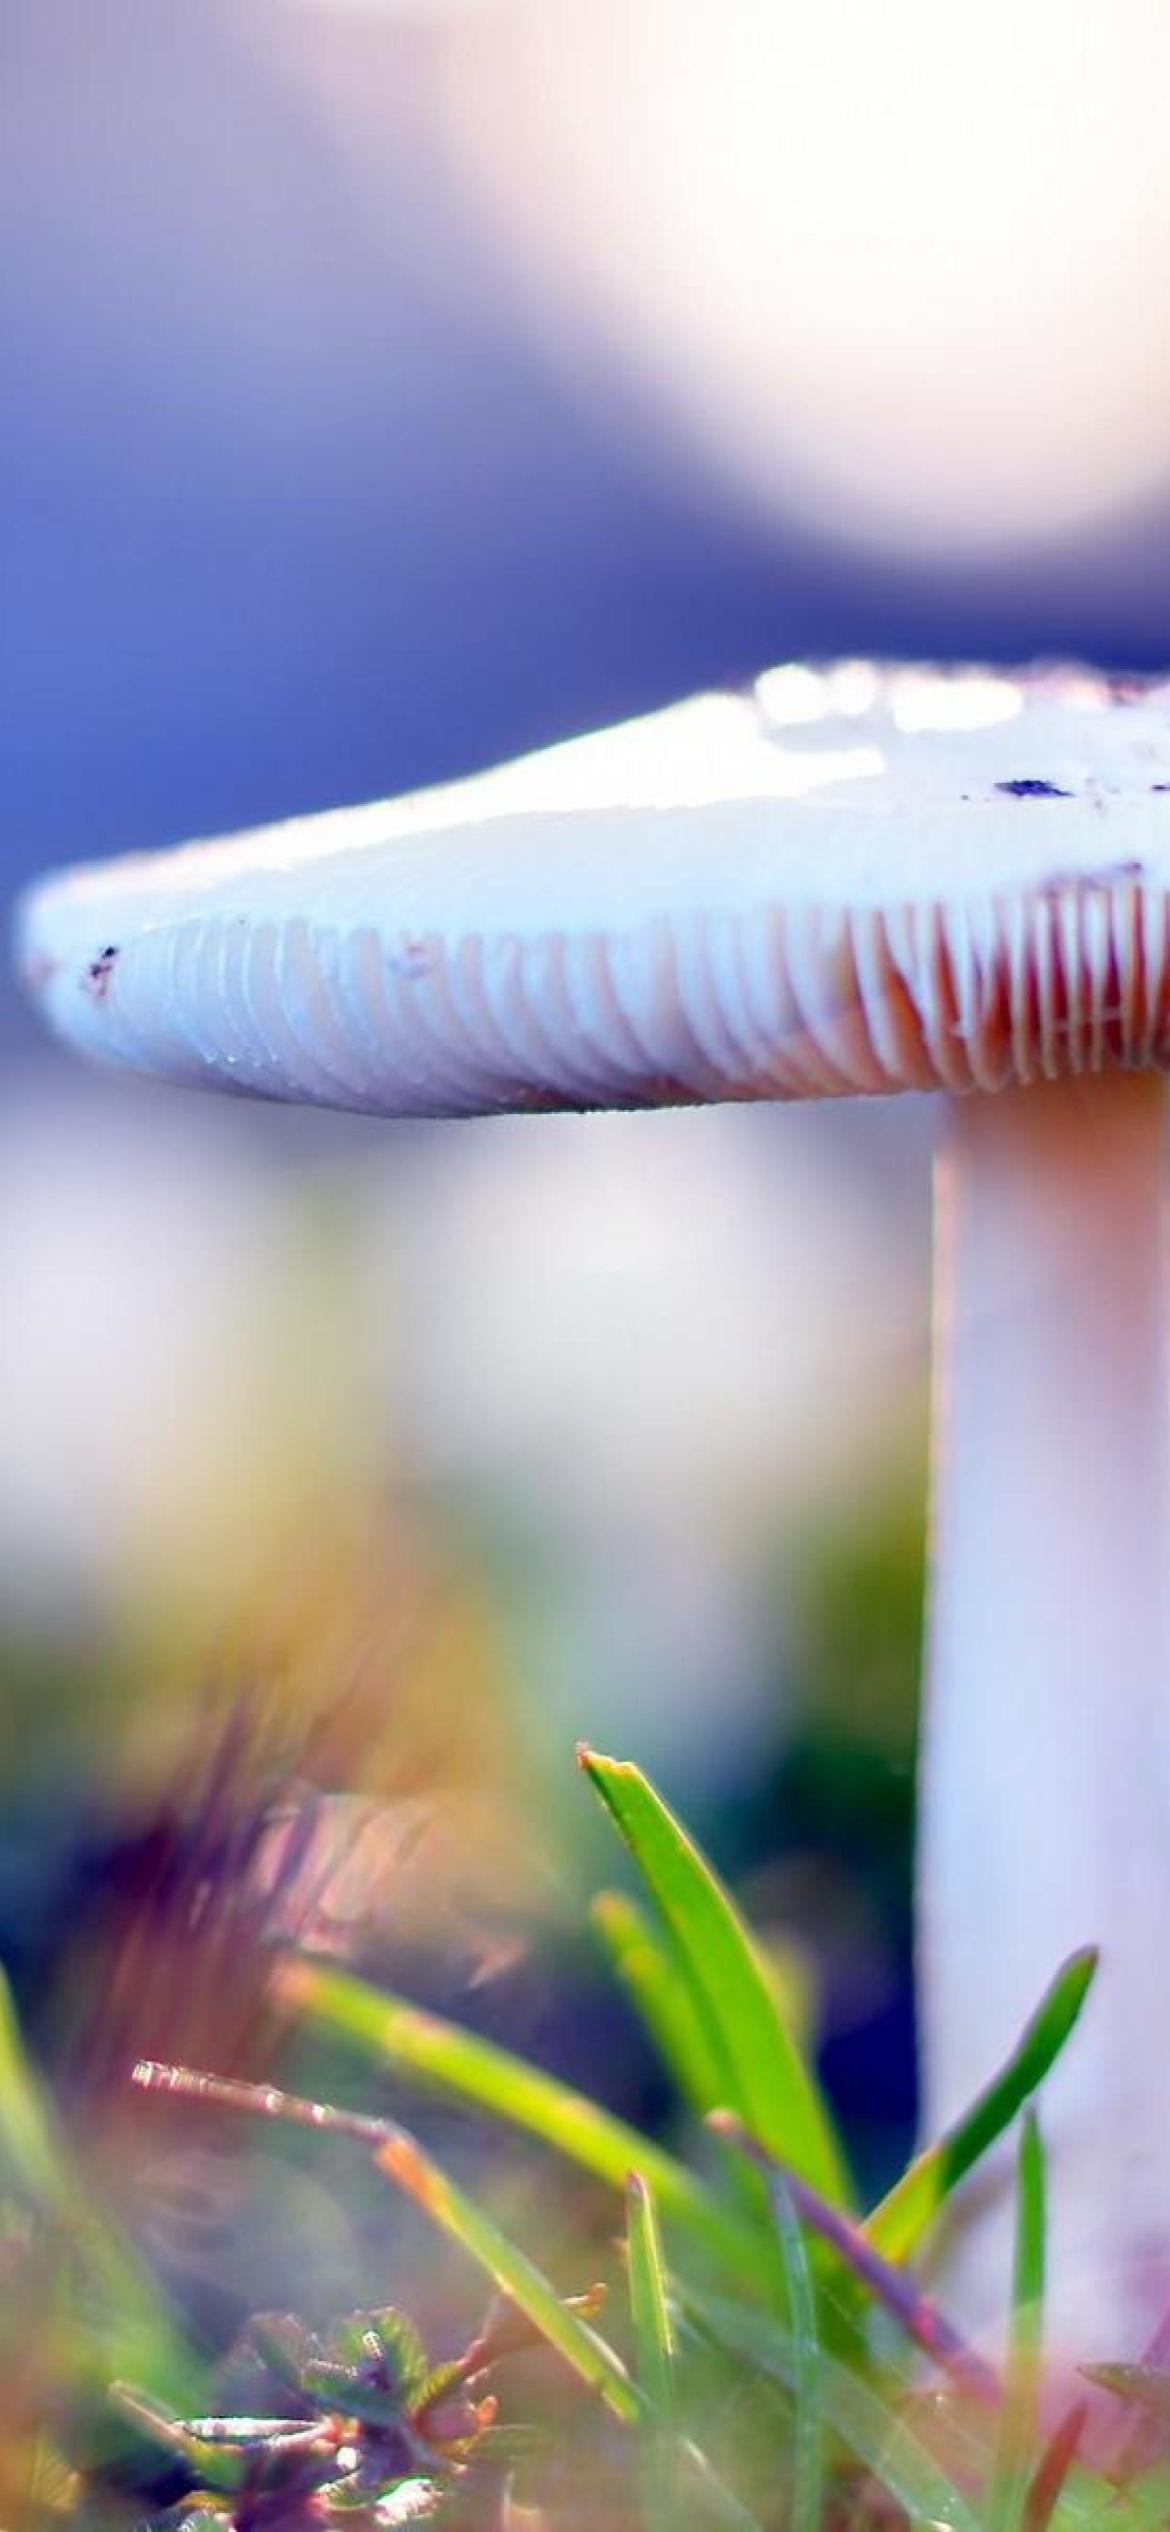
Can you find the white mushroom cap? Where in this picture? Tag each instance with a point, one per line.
(850, 880)
(847, 880)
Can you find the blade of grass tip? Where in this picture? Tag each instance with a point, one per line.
(650, 2313)
(1013, 2465)
(762, 2072)
(460, 2066)
(1053, 2467)
(404, 2161)
(665, 2447)
(654, 2348)
(808, 2448)
(916, 2314)
(1089, 2497)
(646, 1965)
(899, 2223)
(870, 2430)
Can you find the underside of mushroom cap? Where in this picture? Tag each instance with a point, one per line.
(849, 880)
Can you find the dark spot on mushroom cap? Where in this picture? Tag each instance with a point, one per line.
(1030, 787)
(96, 980)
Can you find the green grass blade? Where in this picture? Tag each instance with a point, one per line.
(893, 2286)
(1017, 2439)
(650, 2314)
(654, 2349)
(402, 2159)
(646, 1965)
(125, 2326)
(1028, 2274)
(463, 2067)
(759, 2068)
(897, 2226)
(413, 2170)
(30, 2153)
(808, 2456)
(668, 2453)
(872, 2433)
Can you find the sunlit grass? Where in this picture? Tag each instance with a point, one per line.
(765, 2359)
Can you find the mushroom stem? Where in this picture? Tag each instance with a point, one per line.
(1045, 1806)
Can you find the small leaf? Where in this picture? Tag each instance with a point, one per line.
(401, 2351)
(759, 2069)
(382, 2349)
(905, 2215)
(441, 2380)
(341, 2391)
(404, 2161)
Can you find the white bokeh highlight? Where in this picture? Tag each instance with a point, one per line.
(901, 269)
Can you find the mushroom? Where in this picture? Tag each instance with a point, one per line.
(849, 880)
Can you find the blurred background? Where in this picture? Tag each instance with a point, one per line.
(386, 389)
